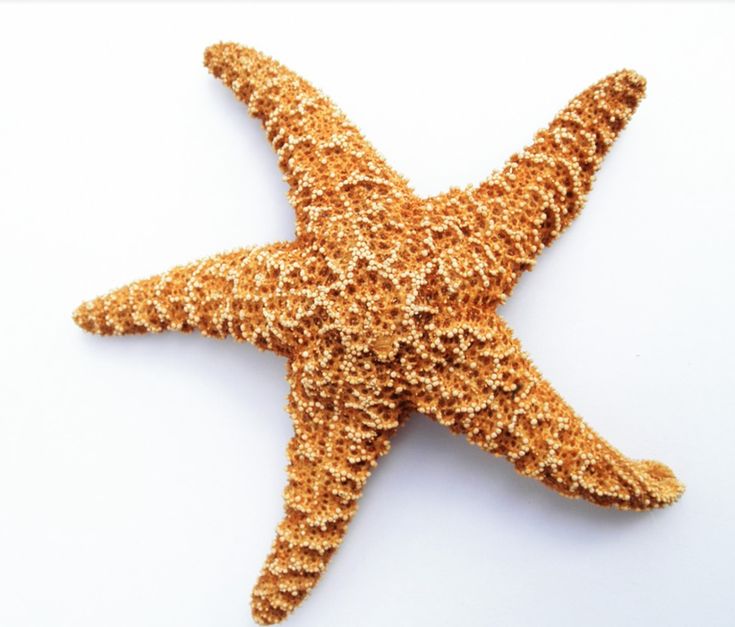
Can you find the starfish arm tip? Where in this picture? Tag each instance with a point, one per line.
(662, 484)
(82, 317)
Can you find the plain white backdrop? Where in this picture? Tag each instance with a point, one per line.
(141, 478)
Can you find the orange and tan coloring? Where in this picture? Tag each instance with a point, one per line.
(385, 303)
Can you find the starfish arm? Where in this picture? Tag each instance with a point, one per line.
(540, 190)
(227, 294)
(325, 159)
(502, 404)
(337, 440)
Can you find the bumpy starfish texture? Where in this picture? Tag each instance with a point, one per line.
(386, 303)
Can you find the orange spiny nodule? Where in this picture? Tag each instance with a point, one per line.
(386, 303)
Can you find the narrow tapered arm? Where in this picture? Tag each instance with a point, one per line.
(540, 190)
(230, 294)
(496, 397)
(325, 159)
(338, 438)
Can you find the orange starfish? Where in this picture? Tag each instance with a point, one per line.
(386, 303)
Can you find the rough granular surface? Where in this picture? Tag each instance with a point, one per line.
(386, 303)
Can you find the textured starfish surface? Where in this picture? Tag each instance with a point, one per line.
(386, 303)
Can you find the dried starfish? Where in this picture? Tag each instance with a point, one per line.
(386, 303)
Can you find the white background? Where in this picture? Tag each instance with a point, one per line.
(141, 478)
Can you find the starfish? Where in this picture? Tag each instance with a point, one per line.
(386, 303)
